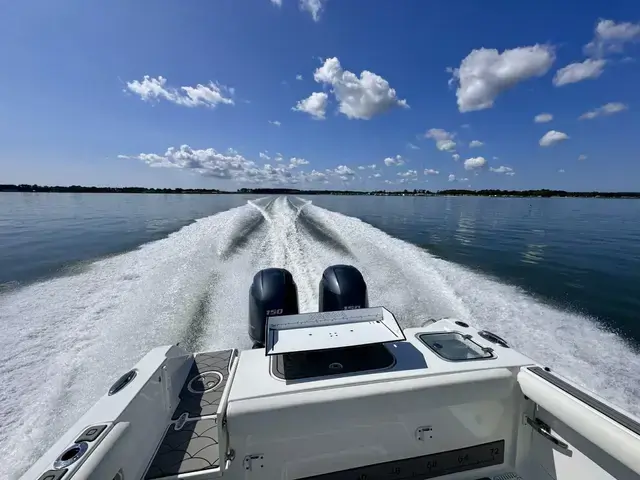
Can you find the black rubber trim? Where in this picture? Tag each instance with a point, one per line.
(584, 397)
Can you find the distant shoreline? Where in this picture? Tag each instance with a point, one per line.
(544, 193)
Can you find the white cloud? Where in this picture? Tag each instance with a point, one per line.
(275, 122)
(397, 161)
(511, 174)
(314, 7)
(298, 77)
(552, 137)
(264, 156)
(431, 171)
(412, 146)
(375, 175)
(577, 72)
(455, 157)
(408, 174)
(315, 105)
(373, 166)
(277, 3)
(463, 180)
(543, 118)
(474, 163)
(360, 98)
(561, 170)
(152, 89)
(608, 109)
(361, 167)
(582, 157)
(452, 178)
(475, 143)
(465, 125)
(485, 73)
(230, 166)
(501, 169)
(610, 37)
(444, 140)
(296, 162)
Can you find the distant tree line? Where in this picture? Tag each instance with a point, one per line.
(294, 191)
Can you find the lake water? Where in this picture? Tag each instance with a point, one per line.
(90, 282)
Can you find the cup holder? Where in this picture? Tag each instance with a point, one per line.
(71, 455)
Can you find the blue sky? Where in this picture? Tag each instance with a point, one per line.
(187, 94)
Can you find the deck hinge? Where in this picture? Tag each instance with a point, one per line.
(544, 430)
(253, 461)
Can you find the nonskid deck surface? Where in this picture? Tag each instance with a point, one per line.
(194, 447)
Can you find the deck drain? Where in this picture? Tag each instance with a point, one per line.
(205, 382)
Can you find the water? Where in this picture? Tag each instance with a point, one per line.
(504, 264)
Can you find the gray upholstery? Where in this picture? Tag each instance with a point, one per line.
(192, 449)
(201, 404)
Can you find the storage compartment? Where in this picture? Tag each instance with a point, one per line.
(455, 347)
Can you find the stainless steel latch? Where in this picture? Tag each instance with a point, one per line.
(544, 430)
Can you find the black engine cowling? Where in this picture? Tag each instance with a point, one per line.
(272, 293)
(342, 288)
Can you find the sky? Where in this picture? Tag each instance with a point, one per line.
(315, 94)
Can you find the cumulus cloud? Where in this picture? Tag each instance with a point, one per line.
(608, 109)
(455, 157)
(502, 169)
(475, 144)
(264, 156)
(344, 170)
(452, 178)
(552, 137)
(375, 175)
(373, 166)
(474, 163)
(315, 105)
(408, 174)
(296, 162)
(561, 170)
(412, 146)
(485, 73)
(611, 37)
(582, 157)
(430, 171)
(577, 72)
(361, 167)
(313, 7)
(275, 122)
(152, 89)
(230, 166)
(543, 118)
(444, 140)
(359, 97)
(277, 3)
(298, 77)
(396, 162)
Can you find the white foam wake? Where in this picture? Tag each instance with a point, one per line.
(66, 339)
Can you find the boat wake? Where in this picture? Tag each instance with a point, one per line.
(67, 339)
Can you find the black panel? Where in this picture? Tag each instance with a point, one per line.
(427, 466)
(322, 363)
(53, 474)
(91, 433)
(584, 397)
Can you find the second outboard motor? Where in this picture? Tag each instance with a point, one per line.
(342, 288)
(272, 293)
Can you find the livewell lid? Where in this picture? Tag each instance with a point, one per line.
(324, 330)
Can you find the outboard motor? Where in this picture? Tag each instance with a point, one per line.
(342, 288)
(272, 293)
